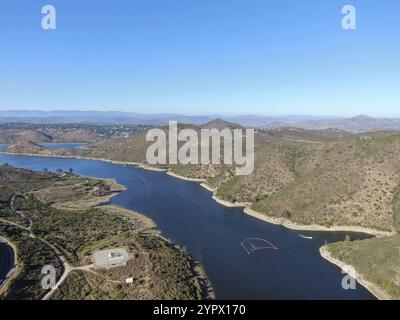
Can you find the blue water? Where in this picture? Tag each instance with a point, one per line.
(63, 145)
(187, 215)
(6, 260)
(77, 146)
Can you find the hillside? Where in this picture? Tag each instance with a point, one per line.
(134, 147)
(55, 219)
(11, 132)
(30, 147)
(25, 147)
(309, 179)
(220, 125)
(352, 181)
(376, 260)
(300, 134)
(327, 178)
(15, 135)
(356, 124)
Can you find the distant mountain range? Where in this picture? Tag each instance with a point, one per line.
(140, 118)
(356, 124)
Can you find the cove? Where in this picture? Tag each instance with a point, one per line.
(212, 234)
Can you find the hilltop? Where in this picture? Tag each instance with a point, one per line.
(29, 147)
(13, 135)
(220, 125)
(63, 132)
(25, 147)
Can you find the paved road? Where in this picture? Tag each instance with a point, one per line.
(6, 260)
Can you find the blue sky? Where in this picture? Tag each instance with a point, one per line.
(267, 57)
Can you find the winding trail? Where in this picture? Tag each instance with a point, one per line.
(66, 267)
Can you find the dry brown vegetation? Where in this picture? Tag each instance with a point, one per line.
(159, 271)
(326, 177)
(329, 178)
(351, 181)
(29, 147)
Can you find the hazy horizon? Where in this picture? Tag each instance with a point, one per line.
(202, 57)
(227, 114)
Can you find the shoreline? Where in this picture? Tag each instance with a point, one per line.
(276, 221)
(247, 210)
(172, 174)
(197, 269)
(207, 289)
(303, 227)
(290, 224)
(14, 271)
(372, 288)
(224, 202)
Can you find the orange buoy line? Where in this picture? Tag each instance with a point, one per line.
(253, 248)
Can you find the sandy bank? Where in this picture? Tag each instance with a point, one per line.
(375, 290)
(291, 225)
(230, 204)
(294, 226)
(170, 173)
(278, 221)
(206, 186)
(224, 202)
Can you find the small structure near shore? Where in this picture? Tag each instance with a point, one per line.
(110, 258)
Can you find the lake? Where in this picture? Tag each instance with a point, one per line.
(6, 259)
(211, 233)
(63, 145)
(77, 146)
